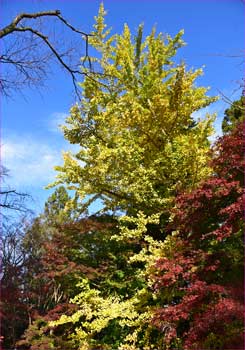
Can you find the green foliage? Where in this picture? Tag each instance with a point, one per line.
(60, 207)
(234, 115)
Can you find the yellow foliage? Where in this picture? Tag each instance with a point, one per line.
(139, 146)
(134, 124)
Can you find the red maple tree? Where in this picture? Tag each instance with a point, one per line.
(203, 278)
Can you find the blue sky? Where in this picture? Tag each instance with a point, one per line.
(31, 141)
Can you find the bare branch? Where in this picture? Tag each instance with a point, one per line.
(72, 28)
(13, 25)
(56, 54)
(227, 100)
(23, 66)
(10, 199)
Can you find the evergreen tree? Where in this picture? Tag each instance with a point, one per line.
(234, 115)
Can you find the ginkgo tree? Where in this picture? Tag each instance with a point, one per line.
(139, 146)
(139, 143)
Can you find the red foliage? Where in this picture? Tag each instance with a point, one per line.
(228, 161)
(204, 276)
(216, 317)
(65, 259)
(212, 209)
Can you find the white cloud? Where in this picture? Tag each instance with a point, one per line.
(30, 161)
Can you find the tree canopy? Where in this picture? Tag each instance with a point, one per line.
(139, 142)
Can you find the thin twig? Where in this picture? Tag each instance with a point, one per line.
(227, 100)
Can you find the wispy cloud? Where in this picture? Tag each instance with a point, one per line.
(56, 120)
(29, 161)
(31, 158)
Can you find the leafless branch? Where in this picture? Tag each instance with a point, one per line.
(235, 55)
(56, 54)
(13, 25)
(26, 62)
(10, 199)
(228, 100)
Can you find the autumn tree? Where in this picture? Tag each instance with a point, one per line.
(139, 147)
(77, 252)
(13, 214)
(14, 318)
(200, 279)
(25, 293)
(139, 142)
